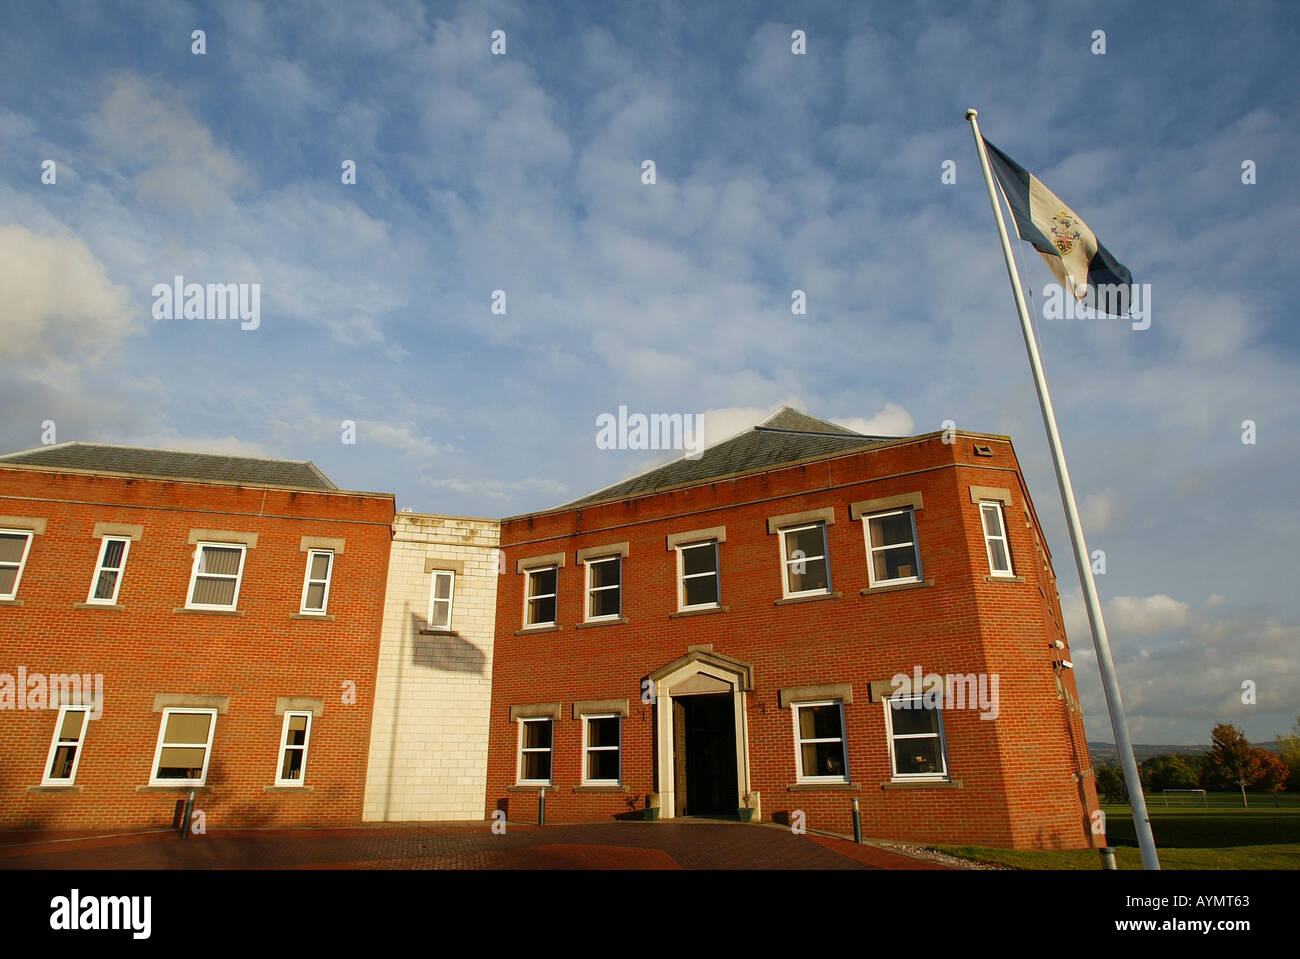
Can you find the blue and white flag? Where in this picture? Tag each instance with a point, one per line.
(1071, 250)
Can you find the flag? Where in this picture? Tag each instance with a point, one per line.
(1071, 250)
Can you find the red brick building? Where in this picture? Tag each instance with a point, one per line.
(178, 621)
(727, 632)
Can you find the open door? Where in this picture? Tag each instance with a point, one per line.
(680, 773)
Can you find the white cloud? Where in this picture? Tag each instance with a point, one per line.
(1144, 615)
(226, 445)
(893, 420)
(176, 161)
(60, 305)
(1097, 511)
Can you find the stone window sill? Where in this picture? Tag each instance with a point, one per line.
(698, 612)
(287, 789)
(54, 789)
(922, 784)
(791, 600)
(208, 612)
(602, 622)
(872, 590)
(527, 789)
(441, 632)
(172, 789)
(11, 602)
(810, 787)
(536, 629)
(1004, 579)
(600, 789)
(116, 606)
(319, 617)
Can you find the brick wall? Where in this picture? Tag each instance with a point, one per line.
(144, 647)
(1018, 774)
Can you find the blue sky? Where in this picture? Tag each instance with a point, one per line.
(775, 172)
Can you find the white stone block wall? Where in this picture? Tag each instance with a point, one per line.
(428, 740)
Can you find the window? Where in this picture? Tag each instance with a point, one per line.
(108, 570)
(441, 593)
(601, 737)
(65, 750)
(539, 604)
(184, 746)
(214, 584)
(995, 539)
(915, 738)
(803, 556)
(293, 749)
(819, 741)
(604, 587)
(892, 556)
(14, 544)
(316, 583)
(697, 566)
(535, 751)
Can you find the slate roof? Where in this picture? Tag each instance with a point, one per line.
(787, 436)
(170, 464)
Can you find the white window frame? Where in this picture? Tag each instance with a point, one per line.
(586, 718)
(307, 583)
(682, 575)
(799, 741)
(207, 747)
(941, 776)
(100, 569)
(194, 575)
(872, 549)
(1009, 572)
(71, 778)
(588, 563)
(520, 750)
(434, 600)
(787, 561)
(528, 582)
(285, 746)
(22, 563)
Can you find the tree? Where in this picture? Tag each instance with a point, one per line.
(1273, 772)
(1232, 761)
(1288, 749)
(1168, 772)
(1110, 783)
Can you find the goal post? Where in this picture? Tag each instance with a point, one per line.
(1187, 797)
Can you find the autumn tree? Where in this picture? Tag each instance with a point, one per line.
(1273, 771)
(1232, 760)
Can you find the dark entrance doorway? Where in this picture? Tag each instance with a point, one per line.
(704, 754)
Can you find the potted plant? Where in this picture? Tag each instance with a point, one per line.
(746, 812)
(652, 807)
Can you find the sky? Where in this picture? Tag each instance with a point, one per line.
(774, 171)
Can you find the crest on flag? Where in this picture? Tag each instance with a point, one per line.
(1064, 233)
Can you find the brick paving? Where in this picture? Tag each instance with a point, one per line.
(680, 844)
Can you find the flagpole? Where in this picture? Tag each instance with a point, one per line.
(1100, 642)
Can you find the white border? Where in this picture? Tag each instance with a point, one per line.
(285, 747)
(57, 742)
(194, 575)
(207, 748)
(22, 563)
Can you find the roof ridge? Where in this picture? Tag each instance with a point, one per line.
(159, 449)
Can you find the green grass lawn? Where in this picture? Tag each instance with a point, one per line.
(1260, 837)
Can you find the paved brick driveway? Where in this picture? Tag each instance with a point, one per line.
(613, 845)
